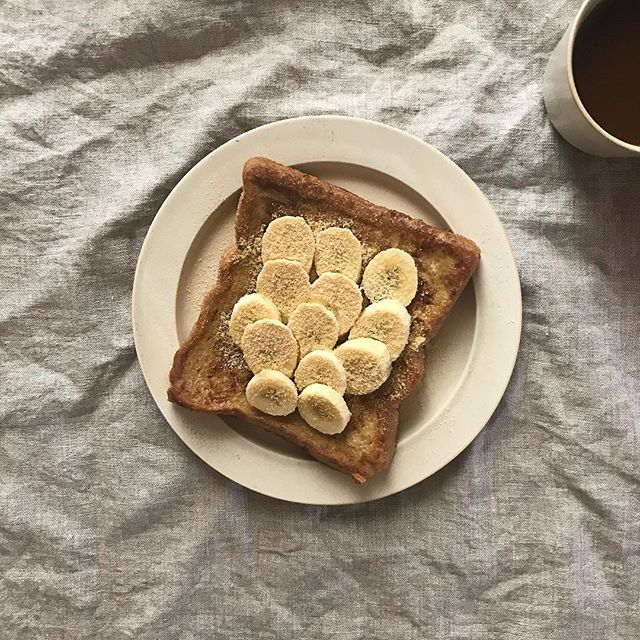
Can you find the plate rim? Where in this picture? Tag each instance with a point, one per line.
(330, 124)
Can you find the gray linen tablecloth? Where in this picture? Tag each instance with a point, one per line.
(110, 528)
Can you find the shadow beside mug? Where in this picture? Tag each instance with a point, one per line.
(564, 107)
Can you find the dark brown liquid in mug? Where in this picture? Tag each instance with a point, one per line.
(606, 67)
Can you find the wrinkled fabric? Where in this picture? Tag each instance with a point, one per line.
(111, 528)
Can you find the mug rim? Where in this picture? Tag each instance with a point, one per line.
(575, 25)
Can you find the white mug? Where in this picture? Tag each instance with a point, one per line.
(564, 107)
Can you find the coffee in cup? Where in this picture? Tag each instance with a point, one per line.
(606, 67)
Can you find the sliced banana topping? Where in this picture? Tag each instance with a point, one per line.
(339, 251)
(285, 282)
(289, 237)
(321, 367)
(318, 314)
(392, 273)
(314, 326)
(269, 344)
(324, 409)
(367, 363)
(248, 309)
(272, 392)
(387, 321)
(340, 294)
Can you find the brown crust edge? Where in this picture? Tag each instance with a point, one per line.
(269, 173)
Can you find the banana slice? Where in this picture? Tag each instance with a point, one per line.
(269, 344)
(248, 309)
(314, 326)
(272, 392)
(392, 273)
(340, 294)
(285, 282)
(324, 409)
(289, 237)
(387, 321)
(367, 363)
(322, 367)
(338, 250)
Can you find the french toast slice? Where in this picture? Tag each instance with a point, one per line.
(209, 373)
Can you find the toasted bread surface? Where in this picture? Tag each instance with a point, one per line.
(209, 373)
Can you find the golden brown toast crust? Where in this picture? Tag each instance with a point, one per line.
(209, 373)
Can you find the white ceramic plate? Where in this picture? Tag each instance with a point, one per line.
(468, 364)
